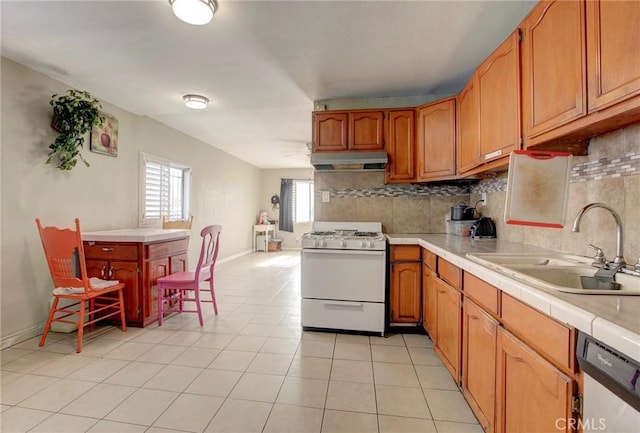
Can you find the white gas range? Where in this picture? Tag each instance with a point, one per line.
(343, 276)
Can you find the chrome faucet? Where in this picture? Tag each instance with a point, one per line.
(619, 259)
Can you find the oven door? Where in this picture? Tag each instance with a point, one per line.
(347, 275)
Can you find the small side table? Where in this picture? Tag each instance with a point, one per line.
(263, 228)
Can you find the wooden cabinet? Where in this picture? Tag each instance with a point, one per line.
(429, 298)
(553, 66)
(345, 130)
(531, 394)
(468, 128)
(138, 265)
(613, 63)
(405, 288)
(400, 144)
(448, 326)
(479, 336)
(498, 87)
(436, 141)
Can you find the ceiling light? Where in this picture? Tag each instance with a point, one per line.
(196, 102)
(196, 12)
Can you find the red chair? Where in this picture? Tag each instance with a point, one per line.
(177, 287)
(98, 299)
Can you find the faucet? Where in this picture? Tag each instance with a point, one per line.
(619, 259)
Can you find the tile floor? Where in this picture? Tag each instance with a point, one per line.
(250, 369)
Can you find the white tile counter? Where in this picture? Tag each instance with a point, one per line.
(615, 320)
(135, 235)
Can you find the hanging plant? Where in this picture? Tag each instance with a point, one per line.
(74, 114)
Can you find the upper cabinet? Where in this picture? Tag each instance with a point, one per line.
(342, 130)
(553, 66)
(400, 144)
(498, 81)
(468, 128)
(613, 38)
(436, 141)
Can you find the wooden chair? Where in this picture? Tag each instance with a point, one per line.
(98, 299)
(176, 224)
(177, 287)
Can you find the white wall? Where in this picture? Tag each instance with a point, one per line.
(225, 190)
(271, 185)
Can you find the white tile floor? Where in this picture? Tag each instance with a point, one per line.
(250, 369)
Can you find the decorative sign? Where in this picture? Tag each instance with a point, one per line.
(104, 139)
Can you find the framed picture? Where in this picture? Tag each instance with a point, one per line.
(104, 139)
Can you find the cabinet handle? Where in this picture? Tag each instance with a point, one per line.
(104, 268)
(107, 249)
(111, 272)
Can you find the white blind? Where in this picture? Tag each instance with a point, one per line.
(165, 189)
(156, 186)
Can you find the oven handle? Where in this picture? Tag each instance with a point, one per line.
(352, 252)
(343, 304)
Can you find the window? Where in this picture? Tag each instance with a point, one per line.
(303, 201)
(164, 189)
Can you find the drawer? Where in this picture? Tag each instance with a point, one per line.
(405, 253)
(352, 316)
(110, 251)
(429, 259)
(165, 249)
(450, 273)
(551, 339)
(483, 294)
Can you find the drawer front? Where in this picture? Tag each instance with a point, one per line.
(485, 295)
(352, 316)
(109, 251)
(164, 249)
(405, 253)
(429, 259)
(551, 339)
(450, 273)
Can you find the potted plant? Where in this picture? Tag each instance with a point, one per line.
(74, 114)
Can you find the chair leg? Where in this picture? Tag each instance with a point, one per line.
(213, 296)
(47, 326)
(160, 307)
(81, 312)
(122, 318)
(197, 296)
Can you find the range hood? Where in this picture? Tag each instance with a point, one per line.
(349, 161)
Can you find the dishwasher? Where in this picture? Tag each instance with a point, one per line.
(611, 397)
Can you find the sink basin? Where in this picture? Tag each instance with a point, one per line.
(555, 272)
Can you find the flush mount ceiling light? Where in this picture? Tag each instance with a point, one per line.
(196, 102)
(196, 12)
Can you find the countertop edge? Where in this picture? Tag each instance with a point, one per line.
(135, 235)
(611, 333)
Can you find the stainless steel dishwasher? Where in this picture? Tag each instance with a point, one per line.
(611, 399)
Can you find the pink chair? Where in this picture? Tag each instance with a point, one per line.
(177, 287)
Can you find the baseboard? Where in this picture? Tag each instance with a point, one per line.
(233, 257)
(21, 336)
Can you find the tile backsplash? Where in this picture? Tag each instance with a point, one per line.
(609, 174)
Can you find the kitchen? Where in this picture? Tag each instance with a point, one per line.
(410, 212)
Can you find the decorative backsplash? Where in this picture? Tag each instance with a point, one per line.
(404, 190)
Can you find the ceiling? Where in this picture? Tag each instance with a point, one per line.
(262, 63)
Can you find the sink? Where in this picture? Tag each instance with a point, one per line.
(554, 272)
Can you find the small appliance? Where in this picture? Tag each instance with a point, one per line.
(484, 228)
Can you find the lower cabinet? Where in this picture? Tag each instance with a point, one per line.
(429, 303)
(479, 337)
(532, 395)
(405, 293)
(125, 272)
(448, 326)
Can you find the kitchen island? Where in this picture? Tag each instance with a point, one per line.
(137, 257)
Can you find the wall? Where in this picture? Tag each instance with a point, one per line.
(270, 181)
(225, 190)
(609, 174)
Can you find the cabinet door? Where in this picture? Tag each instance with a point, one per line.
(127, 273)
(436, 141)
(532, 395)
(400, 144)
(97, 268)
(553, 66)
(479, 340)
(613, 67)
(366, 130)
(468, 128)
(329, 132)
(429, 304)
(178, 263)
(499, 100)
(449, 324)
(156, 268)
(405, 292)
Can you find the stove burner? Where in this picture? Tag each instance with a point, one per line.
(322, 233)
(367, 234)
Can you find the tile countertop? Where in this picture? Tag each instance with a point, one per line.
(615, 320)
(135, 235)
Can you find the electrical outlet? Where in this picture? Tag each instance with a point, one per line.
(326, 196)
(484, 199)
